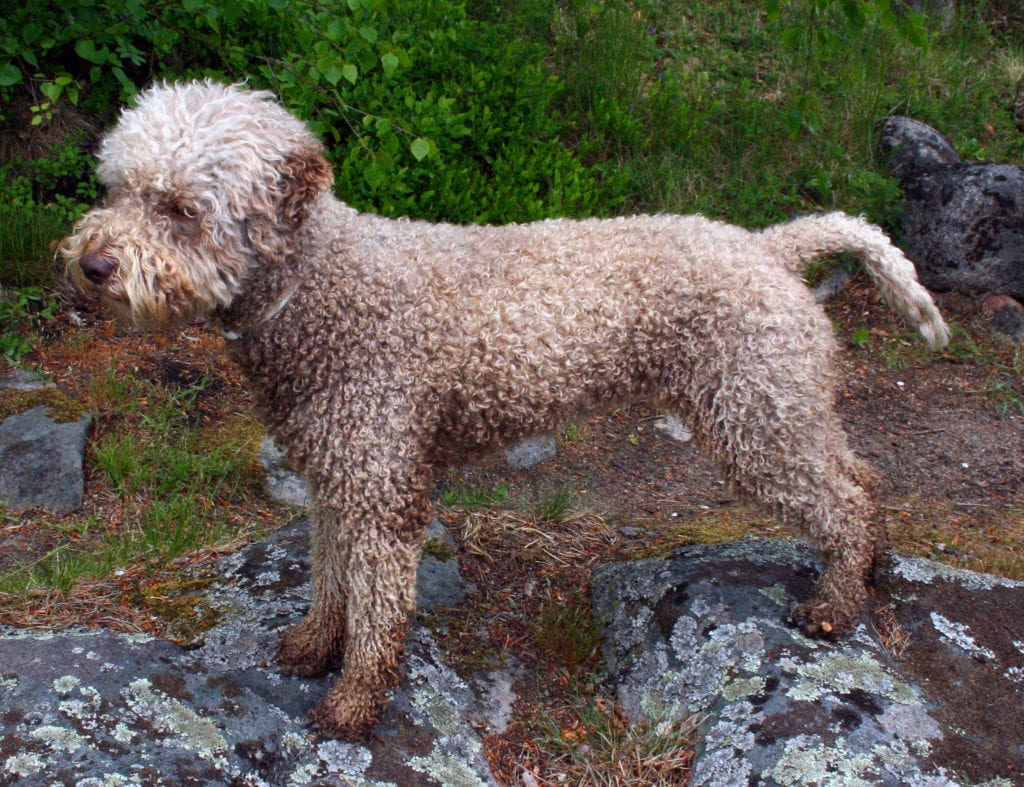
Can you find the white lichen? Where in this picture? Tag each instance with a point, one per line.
(807, 760)
(447, 770)
(778, 594)
(168, 715)
(345, 759)
(437, 709)
(65, 685)
(839, 673)
(739, 688)
(24, 764)
(58, 738)
(122, 734)
(959, 635)
(916, 569)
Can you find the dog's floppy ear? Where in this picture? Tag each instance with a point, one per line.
(305, 175)
(300, 178)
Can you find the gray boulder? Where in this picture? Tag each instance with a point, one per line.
(98, 707)
(1005, 316)
(962, 223)
(42, 446)
(704, 632)
(281, 482)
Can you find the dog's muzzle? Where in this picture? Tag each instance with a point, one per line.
(95, 267)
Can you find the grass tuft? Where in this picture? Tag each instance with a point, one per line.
(595, 746)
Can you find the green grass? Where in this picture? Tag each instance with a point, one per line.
(26, 255)
(595, 746)
(175, 484)
(23, 310)
(554, 505)
(475, 497)
(724, 109)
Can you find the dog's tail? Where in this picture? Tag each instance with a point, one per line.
(806, 239)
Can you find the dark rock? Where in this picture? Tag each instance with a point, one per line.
(962, 223)
(41, 461)
(705, 633)
(911, 146)
(1005, 316)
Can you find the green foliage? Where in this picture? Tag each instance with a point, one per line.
(496, 496)
(474, 111)
(860, 337)
(23, 310)
(427, 112)
(39, 201)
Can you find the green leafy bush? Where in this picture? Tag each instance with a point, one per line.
(427, 112)
(493, 110)
(22, 310)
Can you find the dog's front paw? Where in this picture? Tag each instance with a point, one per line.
(306, 652)
(348, 719)
(820, 621)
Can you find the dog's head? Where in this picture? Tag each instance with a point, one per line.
(204, 182)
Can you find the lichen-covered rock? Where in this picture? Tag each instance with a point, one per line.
(99, 707)
(704, 632)
(962, 223)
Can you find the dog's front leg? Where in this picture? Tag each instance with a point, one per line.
(381, 583)
(315, 645)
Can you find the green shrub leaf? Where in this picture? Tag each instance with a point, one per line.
(420, 148)
(10, 74)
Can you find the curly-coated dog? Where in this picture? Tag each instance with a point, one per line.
(382, 350)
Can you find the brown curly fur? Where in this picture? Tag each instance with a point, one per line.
(383, 350)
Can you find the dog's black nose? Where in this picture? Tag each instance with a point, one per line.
(96, 267)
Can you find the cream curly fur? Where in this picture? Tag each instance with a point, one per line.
(383, 350)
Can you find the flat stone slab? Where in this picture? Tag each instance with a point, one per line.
(92, 707)
(704, 632)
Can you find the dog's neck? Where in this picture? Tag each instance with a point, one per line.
(264, 296)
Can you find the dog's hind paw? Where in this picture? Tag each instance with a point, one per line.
(820, 621)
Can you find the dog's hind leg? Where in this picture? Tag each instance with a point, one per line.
(766, 414)
(802, 479)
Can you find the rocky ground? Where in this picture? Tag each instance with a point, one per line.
(945, 433)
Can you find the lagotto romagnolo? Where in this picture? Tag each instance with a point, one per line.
(381, 351)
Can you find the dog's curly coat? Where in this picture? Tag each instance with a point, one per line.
(382, 350)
